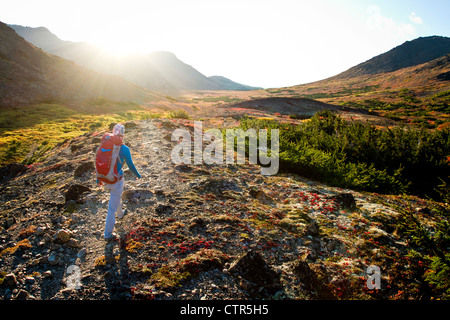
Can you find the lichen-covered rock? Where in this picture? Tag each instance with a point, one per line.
(11, 170)
(137, 195)
(62, 236)
(261, 196)
(309, 280)
(84, 168)
(345, 200)
(218, 186)
(259, 277)
(75, 192)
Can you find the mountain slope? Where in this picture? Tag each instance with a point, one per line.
(47, 40)
(184, 76)
(178, 73)
(227, 84)
(161, 71)
(421, 65)
(28, 74)
(408, 54)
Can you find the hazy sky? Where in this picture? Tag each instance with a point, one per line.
(261, 43)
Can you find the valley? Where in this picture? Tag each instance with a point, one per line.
(363, 181)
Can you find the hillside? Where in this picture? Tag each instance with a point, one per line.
(227, 84)
(47, 41)
(28, 75)
(160, 71)
(410, 53)
(417, 94)
(206, 232)
(185, 77)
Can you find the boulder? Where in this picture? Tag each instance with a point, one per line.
(10, 280)
(183, 168)
(73, 243)
(167, 124)
(197, 223)
(62, 236)
(75, 192)
(344, 200)
(261, 196)
(259, 277)
(217, 186)
(22, 295)
(84, 168)
(130, 125)
(312, 229)
(76, 147)
(379, 235)
(40, 230)
(82, 253)
(307, 277)
(424, 210)
(96, 140)
(11, 170)
(309, 281)
(53, 259)
(137, 194)
(9, 221)
(163, 209)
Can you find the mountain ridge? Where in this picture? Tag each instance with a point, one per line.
(159, 71)
(408, 54)
(29, 75)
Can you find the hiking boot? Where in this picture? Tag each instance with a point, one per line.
(112, 237)
(120, 216)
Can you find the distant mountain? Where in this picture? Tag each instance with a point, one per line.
(227, 84)
(47, 40)
(159, 71)
(408, 54)
(179, 74)
(28, 74)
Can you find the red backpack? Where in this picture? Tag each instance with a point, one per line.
(106, 158)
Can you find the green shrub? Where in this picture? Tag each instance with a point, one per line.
(438, 276)
(182, 114)
(430, 249)
(359, 156)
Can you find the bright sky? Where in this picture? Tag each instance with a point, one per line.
(256, 42)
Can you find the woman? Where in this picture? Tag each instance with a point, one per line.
(116, 189)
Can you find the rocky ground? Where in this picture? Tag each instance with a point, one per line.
(197, 231)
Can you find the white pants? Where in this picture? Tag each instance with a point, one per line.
(115, 205)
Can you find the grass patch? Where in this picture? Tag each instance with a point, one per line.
(165, 278)
(225, 99)
(21, 245)
(341, 93)
(178, 114)
(27, 133)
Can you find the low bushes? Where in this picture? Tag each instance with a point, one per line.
(359, 156)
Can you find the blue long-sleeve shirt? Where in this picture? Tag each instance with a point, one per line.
(125, 156)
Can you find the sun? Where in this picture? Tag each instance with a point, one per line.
(117, 48)
(119, 45)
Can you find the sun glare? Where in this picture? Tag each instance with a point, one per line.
(118, 43)
(117, 47)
